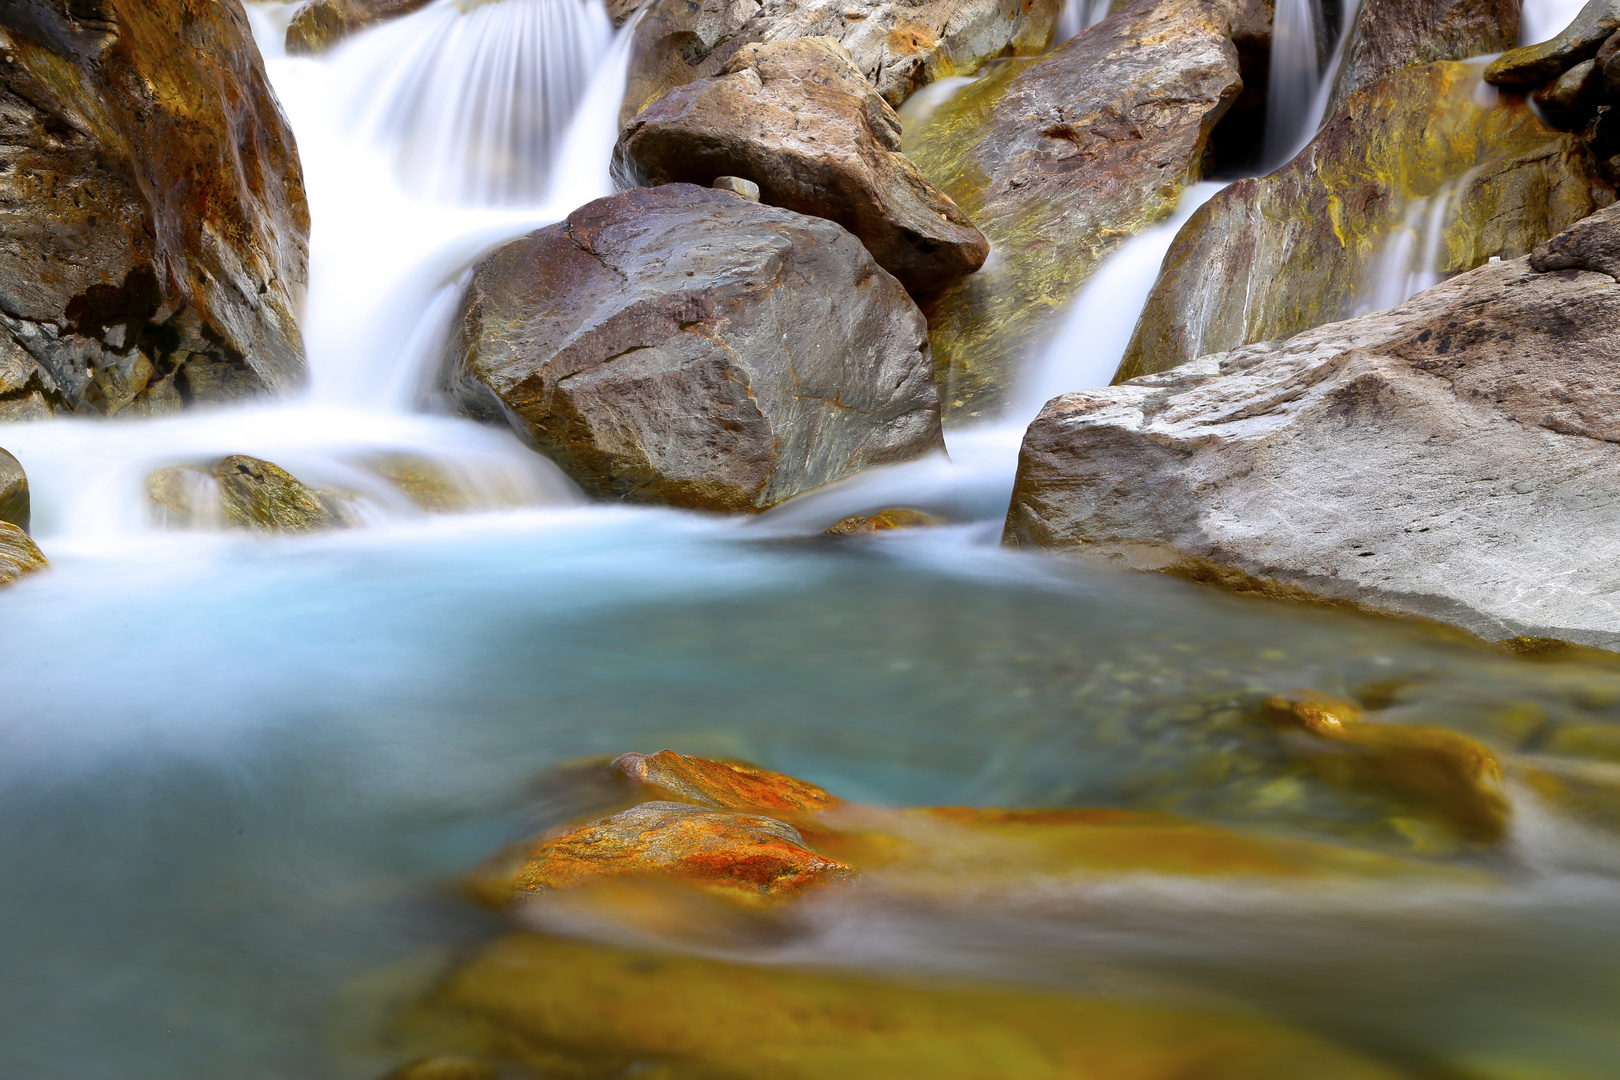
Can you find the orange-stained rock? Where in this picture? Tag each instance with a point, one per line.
(742, 857)
(723, 784)
(1450, 777)
(896, 518)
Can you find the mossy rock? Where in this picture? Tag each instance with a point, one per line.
(242, 492)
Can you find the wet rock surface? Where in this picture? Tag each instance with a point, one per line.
(899, 45)
(1058, 160)
(321, 24)
(682, 345)
(14, 502)
(154, 236)
(19, 555)
(725, 785)
(242, 492)
(1389, 35)
(799, 120)
(1321, 239)
(1447, 459)
(884, 521)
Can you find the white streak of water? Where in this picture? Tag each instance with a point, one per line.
(1080, 15)
(1543, 20)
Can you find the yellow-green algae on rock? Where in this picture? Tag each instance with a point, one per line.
(569, 1009)
(1058, 160)
(1270, 257)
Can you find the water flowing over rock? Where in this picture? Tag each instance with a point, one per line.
(1058, 160)
(684, 345)
(321, 24)
(155, 224)
(1389, 35)
(1416, 178)
(723, 785)
(899, 45)
(242, 492)
(1455, 458)
(14, 503)
(798, 119)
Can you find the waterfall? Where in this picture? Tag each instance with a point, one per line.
(1543, 20)
(1080, 15)
(1296, 75)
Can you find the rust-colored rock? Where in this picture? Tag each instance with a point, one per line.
(19, 554)
(724, 785)
(152, 216)
(883, 521)
(1389, 35)
(798, 119)
(321, 24)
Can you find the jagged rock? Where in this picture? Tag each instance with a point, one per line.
(1455, 458)
(1389, 35)
(321, 24)
(798, 119)
(243, 493)
(14, 504)
(19, 555)
(1060, 159)
(153, 248)
(883, 521)
(1272, 256)
(681, 345)
(1545, 61)
(899, 45)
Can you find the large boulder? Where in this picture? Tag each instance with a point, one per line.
(1059, 160)
(1389, 35)
(1455, 458)
(153, 251)
(799, 120)
(687, 346)
(1415, 167)
(899, 45)
(321, 24)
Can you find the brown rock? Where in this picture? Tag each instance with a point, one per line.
(883, 521)
(899, 45)
(321, 24)
(244, 493)
(1389, 35)
(26, 391)
(1269, 257)
(14, 503)
(799, 120)
(1593, 243)
(1059, 160)
(1569, 100)
(1545, 61)
(153, 244)
(681, 345)
(18, 554)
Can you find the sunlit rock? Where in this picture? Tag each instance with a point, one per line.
(1417, 178)
(155, 222)
(27, 392)
(1389, 35)
(14, 503)
(883, 521)
(1545, 61)
(573, 1009)
(242, 493)
(1059, 160)
(19, 555)
(681, 345)
(799, 120)
(1455, 458)
(321, 24)
(724, 785)
(899, 45)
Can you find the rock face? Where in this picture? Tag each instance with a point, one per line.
(1412, 166)
(1389, 35)
(1455, 458)
(153, 246)
(321, 24)
(686, 346)
(898, 45)
(14, 502)
(799, 120)
(243, 493)
(1059, 160)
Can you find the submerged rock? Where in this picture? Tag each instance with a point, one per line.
(681, 345)
(1329, 235)
(1455, 458)
(244, 493)
(1389, 35)
(883, 521)
(1545, 61)
(19, 555)
(898, 45)
(1059, 160)
(798, 119)
(321, 24)
(155, 245)
(725, 785)
(14, 503)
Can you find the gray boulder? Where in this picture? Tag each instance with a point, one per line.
(1456, 458)
(686, 346)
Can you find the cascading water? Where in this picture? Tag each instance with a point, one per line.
(1080, 15)
(1542, 20)
(1296, 76)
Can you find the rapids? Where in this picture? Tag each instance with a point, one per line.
(239, 776)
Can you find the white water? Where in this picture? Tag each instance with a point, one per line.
(1296, 73)
(1080, 15)
(1543, 20)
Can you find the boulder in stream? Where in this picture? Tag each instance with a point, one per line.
(155, 242)
(1417, 177)
(799, 120)
(1389, 35)
(14, 502)
(685, 346)
(242, 492)
(1059, 160)
(321, 24)
(1455, 458)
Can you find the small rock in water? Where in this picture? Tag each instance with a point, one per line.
(14, 505)
(19, 554)
(884, 520)
(722, 784)
(321, 24)
(423, 480)
(737, 186)
(244, 493)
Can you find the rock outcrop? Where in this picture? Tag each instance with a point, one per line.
(242, 492)
(14, 501)
(1389, 35)
(1415, 167)
(686, 346)
(799, 120)
(1455, 458)
(321, 24)
(899, 45)
(1060, 159)
(154, 241)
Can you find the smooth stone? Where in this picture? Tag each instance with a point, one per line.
(1058, 160)
(680, 345)
(156, 230)
(1545, 61)
(737, 186)
(1389, 35)
(424, 481)
(19, 555)
(724, 785)
(242, 492)
(14, 504)
(883, 521)
(1571, 98)
(320, 24)
(799, 120)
